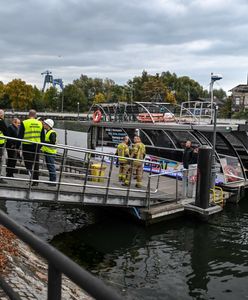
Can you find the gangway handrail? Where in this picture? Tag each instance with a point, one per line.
(158, 175)
(86, 167)
(58, 264)
(79, 149)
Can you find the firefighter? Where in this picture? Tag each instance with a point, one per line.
(123, 151)
(138, 151)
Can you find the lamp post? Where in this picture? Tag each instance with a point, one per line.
(62, 101)
(214, 77)
(214, 109)
(78, 110)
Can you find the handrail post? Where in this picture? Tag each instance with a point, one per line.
(2, 158)
(86, 175)
(109, 177)
(60, 172)
(54, 283)
(148, 192)
(129, 184)
(176, 187)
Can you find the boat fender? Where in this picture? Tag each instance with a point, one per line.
(97, 115)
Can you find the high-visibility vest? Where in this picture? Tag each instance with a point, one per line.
(2, 141)
(49, 149)
(122, 150)
(32, 130)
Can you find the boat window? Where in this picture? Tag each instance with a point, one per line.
(159, 138)
(180, 137)
(222, 146)
(200, 137)
(110, 136)
(238, 146)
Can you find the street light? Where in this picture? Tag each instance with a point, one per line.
(214, 77)
(214, 109)
(78, 110)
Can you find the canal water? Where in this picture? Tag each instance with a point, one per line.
(180, 259)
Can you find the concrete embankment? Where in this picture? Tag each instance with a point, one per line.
(26, 272)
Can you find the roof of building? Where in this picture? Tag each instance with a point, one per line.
(241, 88)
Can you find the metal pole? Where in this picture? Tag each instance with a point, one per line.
(54, 283)
(203, 177)
(211, 96)
(214, 167)
(62, 102)
(78, 110)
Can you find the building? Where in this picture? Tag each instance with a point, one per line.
(240, 97)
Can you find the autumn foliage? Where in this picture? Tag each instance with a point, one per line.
(7, 246)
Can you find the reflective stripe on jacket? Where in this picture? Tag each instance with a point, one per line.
(49, 149)
(122, 150)
(32, 130)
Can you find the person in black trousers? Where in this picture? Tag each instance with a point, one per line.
(11, 146)
(3, 132)
(188, 155)
(32, 131)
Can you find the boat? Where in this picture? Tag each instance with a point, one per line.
(164, 128)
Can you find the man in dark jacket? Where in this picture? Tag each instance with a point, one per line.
(187, 155)
(3, 132)
(11, 146)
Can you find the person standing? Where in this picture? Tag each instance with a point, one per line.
(188, 155)
(11, 146)
(31, 130)
(50, 151)
(138, 151)
(123, 151)
(3, 132)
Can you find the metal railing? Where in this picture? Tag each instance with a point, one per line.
(58, 264)
(82, 161)
(195, 112)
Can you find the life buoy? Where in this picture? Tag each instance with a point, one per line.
(97, 115)
(169, 117)
(230, 173)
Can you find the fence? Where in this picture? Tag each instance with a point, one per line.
(58, 264)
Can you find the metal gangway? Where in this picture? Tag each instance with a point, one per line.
(90, 177)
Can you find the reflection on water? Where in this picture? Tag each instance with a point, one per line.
(182, 259)
(48, 220)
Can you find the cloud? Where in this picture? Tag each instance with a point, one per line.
(118, 39)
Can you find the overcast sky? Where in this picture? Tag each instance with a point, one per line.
(118, 39)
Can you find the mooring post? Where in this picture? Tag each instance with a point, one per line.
(203, 177)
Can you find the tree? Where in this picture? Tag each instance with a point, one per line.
(4, 98)
(20, 94)
(153, 89)
(99, 98)
(51, 99)
(226, 109)
(37, 101)
(73, 95)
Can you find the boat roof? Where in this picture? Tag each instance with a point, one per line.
(193, 115)
(167, 126)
